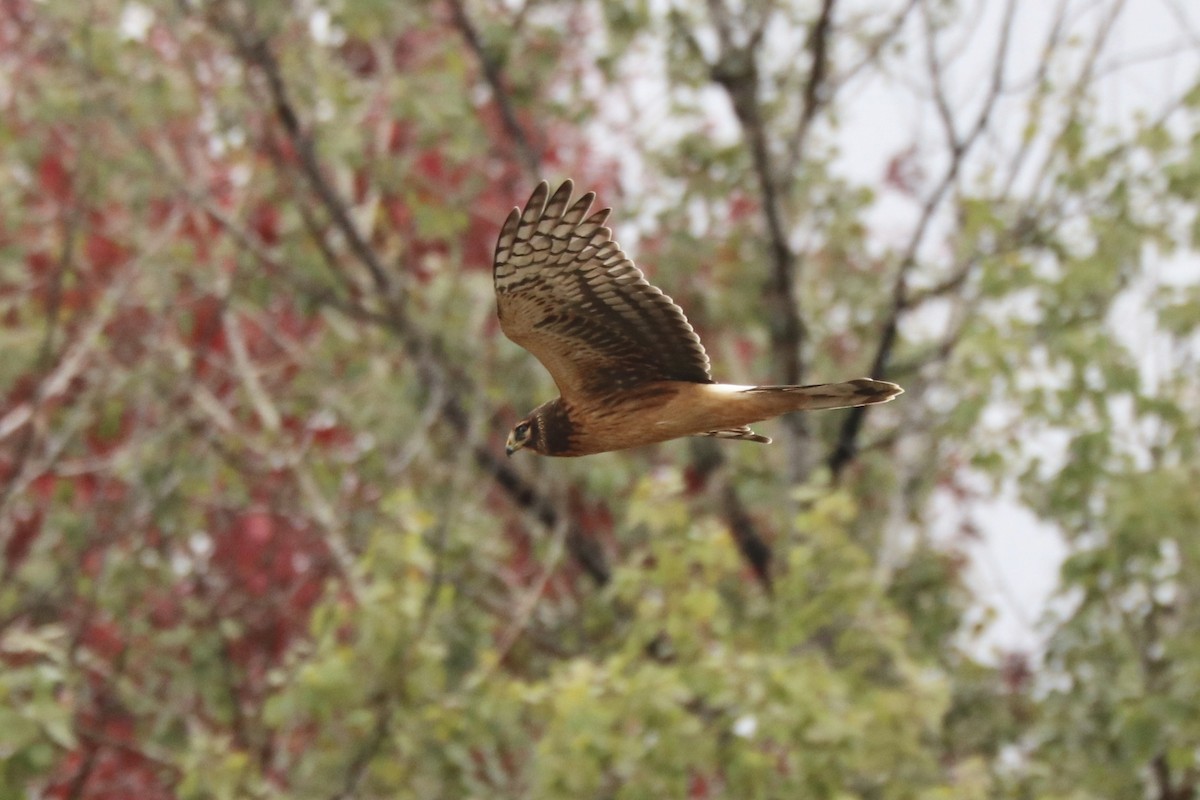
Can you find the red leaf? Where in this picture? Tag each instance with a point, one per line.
(161, 209)
(264, 220)
(92, 562)
(129, 331)
(53, 177)
(407, 49)
(431, 165)
(42, 487)
(104, 639)
(361, 183)
(694, 480)
(165, 611)
(113, 773)
(359, 57)
(400, 137)
(745, 348)
(26, 525)
(398, 212)
(903, 172)
(741, 206)
(104, 254)
(201, 229)
(257, 528)
(40, 263)
(207, 331)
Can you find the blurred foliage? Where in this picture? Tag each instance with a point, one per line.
(257, 537)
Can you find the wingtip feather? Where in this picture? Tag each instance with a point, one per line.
(876, 388)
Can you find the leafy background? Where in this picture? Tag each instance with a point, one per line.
(259, 536)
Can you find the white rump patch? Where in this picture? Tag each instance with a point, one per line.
(726, 388)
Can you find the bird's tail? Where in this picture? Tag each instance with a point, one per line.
(859, 392)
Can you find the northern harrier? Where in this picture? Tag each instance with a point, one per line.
(629, 367)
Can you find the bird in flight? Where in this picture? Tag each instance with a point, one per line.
(629, 368)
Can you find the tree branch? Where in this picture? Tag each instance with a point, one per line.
(846, 447)
(814, 94)
(424, 350)
(585, 551)
(736, 70)
(257, 52)
(491, 73)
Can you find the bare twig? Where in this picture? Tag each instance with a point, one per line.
(369, 747)
(1077, 94)
(491, 73)
(24, 415)
(736, 70)
(814, 96)
(745, 534)
(845, 448)
(256, 52)
(583, 549)
(875, 46)
(528, 602)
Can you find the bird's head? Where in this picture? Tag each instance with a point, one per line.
(523, 434)
(547, 430)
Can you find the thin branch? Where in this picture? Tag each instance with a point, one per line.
(1039, 83)
(1183, 22)
(887, 35)
(708, 461)
(426, 352)
(369, 747)
(257, 52)
(440, 373)
(745, 534)
(814, 96)
(26, 413)
(264, 407)
(846, 447)
(68, 364)
(491, 73)
(388, 697)
(528, 603)
(736, 70)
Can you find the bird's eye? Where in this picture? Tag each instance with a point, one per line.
(522, 430)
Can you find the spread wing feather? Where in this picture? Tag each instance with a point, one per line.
(567, 293)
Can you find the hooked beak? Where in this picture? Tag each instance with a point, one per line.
(511, 446)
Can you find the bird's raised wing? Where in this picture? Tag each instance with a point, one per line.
(567, 293)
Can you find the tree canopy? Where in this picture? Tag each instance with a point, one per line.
(259, 535)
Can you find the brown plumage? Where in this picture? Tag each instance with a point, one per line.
(629, 368)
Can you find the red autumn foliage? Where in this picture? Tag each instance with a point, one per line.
(264, 221)
(698, 786)
(741, 207)
(269, 569)
(904, 172)
(131, 331)
(173, 512)
(359, 57)
(54, 179)
(103, 638)
(105, 255)
(105, 772)
(26, 524)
